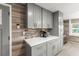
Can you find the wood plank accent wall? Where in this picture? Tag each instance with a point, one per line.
(18, 17)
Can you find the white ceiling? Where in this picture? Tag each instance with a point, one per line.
(66, 8)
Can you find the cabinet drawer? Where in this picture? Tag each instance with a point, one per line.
(39, 50)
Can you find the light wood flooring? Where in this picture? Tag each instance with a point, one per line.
(70, 49)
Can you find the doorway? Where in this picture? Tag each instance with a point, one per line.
(4, 30)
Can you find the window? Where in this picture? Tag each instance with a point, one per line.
(0, 16)
(74, 27)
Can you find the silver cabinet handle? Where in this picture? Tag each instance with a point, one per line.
(48, 25)
(8, 37)
(35, 25)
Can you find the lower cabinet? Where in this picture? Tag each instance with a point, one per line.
(39, 50)
(49, 48)
(53, 47)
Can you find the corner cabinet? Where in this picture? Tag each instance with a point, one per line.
(47, 19)
(38, 17)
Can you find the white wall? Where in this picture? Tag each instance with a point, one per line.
(71, 16)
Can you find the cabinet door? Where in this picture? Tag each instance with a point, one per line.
(47, 19)
(30, 15)
(58, 46)
(37, 16)
(51, 48)
(39, 50)
(61, 43)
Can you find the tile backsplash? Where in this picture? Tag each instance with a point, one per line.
(29, 33)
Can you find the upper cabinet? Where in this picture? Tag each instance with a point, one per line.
(47, 19)
(38, 17)
(30, 16)
(34, 16)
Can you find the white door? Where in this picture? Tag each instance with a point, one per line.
(5, 30)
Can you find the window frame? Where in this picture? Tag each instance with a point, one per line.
(70, 29)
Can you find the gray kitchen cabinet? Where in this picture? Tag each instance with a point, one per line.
(38, 47)
(58, 26)
(38, 17)
(58, 44)
(61, 43)
(37, 50)
(34, 16)
(53, 47)
(47, 19)
(50, 20)
(30, 15)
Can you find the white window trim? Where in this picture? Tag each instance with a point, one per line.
(70, 30)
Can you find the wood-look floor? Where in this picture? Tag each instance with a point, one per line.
(70, 49)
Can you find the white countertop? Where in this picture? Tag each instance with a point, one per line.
(38, 40)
